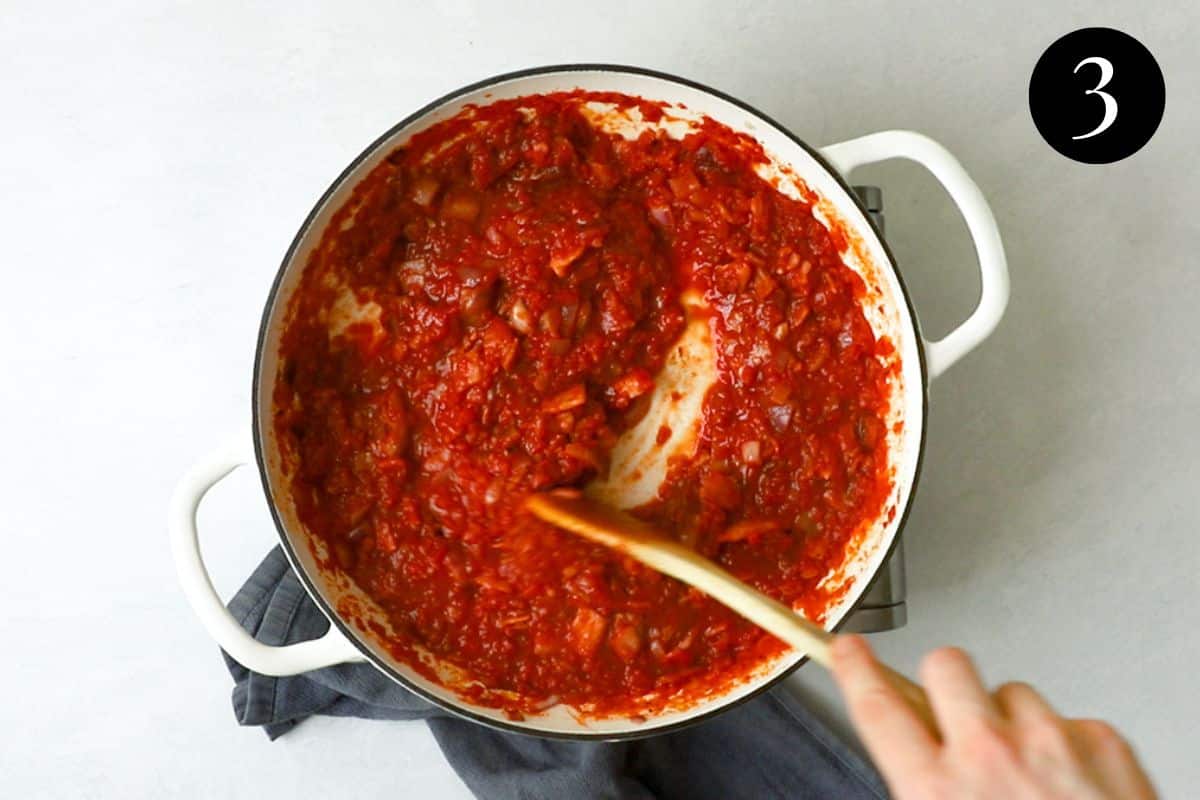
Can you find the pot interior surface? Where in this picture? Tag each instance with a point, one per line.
(797, 169)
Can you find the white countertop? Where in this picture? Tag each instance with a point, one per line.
(157, 161)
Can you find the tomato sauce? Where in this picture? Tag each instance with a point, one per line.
(486, 315)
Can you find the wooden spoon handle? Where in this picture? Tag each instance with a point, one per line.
(629, 535)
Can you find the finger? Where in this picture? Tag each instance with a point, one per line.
(1044, 737)
(1111, 759)
(896, 738)
(1022, 704)
(959, 699)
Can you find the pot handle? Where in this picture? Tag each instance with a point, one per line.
(993, 268)
(292, 659)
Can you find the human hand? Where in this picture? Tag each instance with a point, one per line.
(1005, 744)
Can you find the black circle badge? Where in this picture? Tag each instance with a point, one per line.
(1097, 95)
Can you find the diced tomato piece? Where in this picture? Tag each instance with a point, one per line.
(624, 637)
(631, 385)
(587, 631)
(566, 400)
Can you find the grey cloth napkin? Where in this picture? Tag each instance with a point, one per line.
(768, 747)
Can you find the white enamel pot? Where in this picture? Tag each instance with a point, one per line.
(821, 170)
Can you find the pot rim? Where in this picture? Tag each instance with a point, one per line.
(460, 708)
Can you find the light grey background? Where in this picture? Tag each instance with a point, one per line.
(155, 163)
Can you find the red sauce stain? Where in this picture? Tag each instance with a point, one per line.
(529, 269)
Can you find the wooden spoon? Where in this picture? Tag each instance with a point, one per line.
(571, 510)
